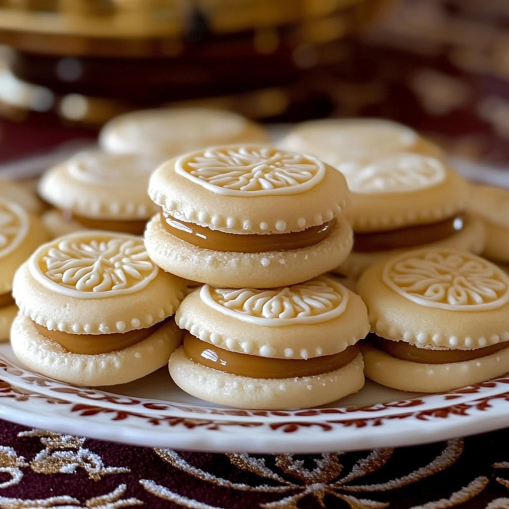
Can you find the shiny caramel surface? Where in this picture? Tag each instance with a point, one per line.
(6, 299)
(133, 227)
(263, 367)
(91, 344)
(206, 238)
(410, 236)
(406, 352)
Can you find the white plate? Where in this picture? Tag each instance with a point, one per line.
(154, 412)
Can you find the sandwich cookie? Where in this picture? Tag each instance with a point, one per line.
(352, 143)
(408, 201)
(94, 310)
(491, 204)
(248, 216)
(20, 234)
(99, 191)
(166, 133)
(440, 319)
(292, 347)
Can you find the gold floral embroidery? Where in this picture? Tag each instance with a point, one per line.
(11, 464)
(111, 500)
(326, 477)
(64, 454)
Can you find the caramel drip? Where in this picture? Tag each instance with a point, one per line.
(411, 353)
(407, 237)
(206, 238)
(94, 344)
(6, 299)
(134, 227)
(263, 367)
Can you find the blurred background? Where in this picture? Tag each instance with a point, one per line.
(440, 66)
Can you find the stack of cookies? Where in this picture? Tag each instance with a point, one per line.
(258, 226)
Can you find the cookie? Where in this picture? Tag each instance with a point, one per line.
(97, 190)
(21, 232)
(291, 347)
(248, 216)
(408, 201)
(20, 194)
(439, 319)
(94, 310)
(169, 132)
(491, 204)
(348, 144)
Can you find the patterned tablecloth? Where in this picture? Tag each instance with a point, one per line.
(441, 66)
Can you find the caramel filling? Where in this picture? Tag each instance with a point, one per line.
(6, 299)
(206, 238)
(94, 344)
(134, 227)
(407, 237)
(406, 352)
(263, 367)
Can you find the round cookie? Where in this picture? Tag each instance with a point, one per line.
(97, 190)
(440, 319)
(491, 204)
(20, 233)
(240, 216)
(169, 132)
(407, 201)
(94, 310)
(291, 347)
(347, 144)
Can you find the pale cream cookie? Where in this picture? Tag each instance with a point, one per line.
(20, 194)
(92, 300)
(407, 201)
(20, 233)
(290, 347)
(252, 215)
(97, 190)
(439, 311)
(169, 132)
(491, 204)
(347, 144)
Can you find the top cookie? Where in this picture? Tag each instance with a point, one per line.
(20, 233)
(100, 185)
(437, 298)
(169, 132)
(249, 189)
(95, 283)
(350, 143)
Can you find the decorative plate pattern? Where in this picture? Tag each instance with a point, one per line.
(251, 170)
(446, 279)
(93, 266)
(318, 300)
(35, 400)
(398, 174)
(14, 224)
(107, 169)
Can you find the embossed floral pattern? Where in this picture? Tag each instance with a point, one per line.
(255, 170)
(447, 279)
(13, 227)
(314, 301)
(397, 174)
(86, 266)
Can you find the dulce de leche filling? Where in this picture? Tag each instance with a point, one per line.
(408, 237)
(6, 299)
(206, 238)
(406, 352)
(136, 227)
(94, 344)
(263, 367)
